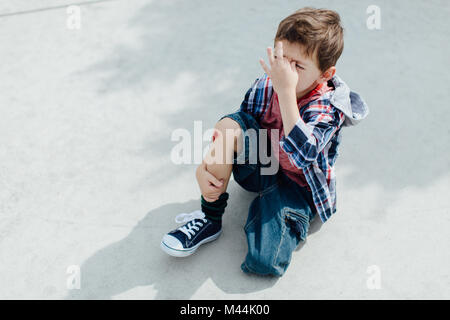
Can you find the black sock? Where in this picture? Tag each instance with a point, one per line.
(214, 210)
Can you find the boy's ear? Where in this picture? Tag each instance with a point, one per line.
(327, 75)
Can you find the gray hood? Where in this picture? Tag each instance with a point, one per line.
(349, 102)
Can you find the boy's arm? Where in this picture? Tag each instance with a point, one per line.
(311, 134)
(257, 97)
(304, 138)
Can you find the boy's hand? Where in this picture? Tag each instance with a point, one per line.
(283, 74)
(210, 186)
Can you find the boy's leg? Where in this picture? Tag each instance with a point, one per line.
(219, 162)
(248, 170)
(278, 220)
(226, 142)
(237, 148)
(225, 156)
(206, 225)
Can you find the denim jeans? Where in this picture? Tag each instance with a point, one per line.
(280, 215)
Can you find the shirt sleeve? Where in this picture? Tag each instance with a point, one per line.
(257, 97)
(311, 133)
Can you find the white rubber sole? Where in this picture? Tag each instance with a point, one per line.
(187, 252)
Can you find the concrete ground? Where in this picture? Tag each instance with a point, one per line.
(86, 180)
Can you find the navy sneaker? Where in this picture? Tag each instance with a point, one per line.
(184, 240)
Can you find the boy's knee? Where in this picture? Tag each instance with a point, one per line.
(229, 131)
(227, 123)
(262, 267)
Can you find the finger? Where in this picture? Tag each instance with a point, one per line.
(213, 180)
(270, 55)
(212, 192)
(264, 66)
(293, 67)
(214, 188)
(209, 199)
(213, 195)
(279, 49)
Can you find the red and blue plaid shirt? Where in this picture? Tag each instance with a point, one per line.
(312, 144)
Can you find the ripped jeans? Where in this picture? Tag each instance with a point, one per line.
(278, 218)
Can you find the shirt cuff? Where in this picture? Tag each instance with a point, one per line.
(299, 135)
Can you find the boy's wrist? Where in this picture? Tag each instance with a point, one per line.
(289, 110)
(286, 93)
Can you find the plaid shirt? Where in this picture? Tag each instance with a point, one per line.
(311, 145)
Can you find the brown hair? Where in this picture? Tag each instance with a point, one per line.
(319, 31)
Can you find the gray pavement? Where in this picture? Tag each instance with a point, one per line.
(86, 179)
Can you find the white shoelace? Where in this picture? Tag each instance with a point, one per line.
(190, 228)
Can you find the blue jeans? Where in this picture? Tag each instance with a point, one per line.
(278, 218)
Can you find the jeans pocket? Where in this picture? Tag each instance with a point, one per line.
(297, 223)
(291, 222)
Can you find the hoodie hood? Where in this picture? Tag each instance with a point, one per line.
(349, 102)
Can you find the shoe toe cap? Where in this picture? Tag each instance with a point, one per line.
(172, 242)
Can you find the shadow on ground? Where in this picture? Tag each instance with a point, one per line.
(137, 260)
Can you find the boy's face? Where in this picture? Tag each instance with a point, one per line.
(309, 75)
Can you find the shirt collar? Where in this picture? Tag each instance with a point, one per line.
(319, 90)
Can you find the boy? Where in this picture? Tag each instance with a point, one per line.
(303, 105)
